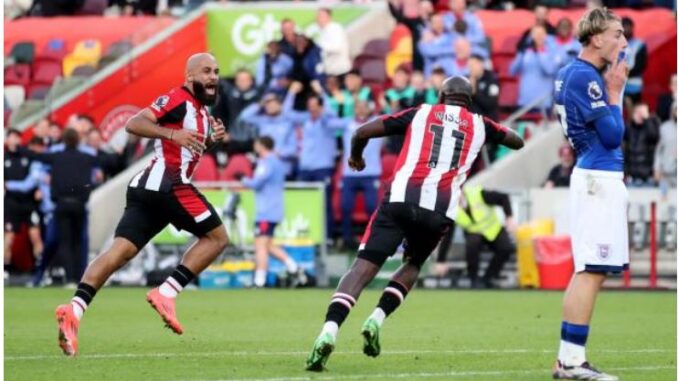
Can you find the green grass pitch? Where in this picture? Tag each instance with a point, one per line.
(266, 335)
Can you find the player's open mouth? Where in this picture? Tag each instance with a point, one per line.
(211, 89)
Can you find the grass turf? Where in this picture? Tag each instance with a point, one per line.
(257, 334)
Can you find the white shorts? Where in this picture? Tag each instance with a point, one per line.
(598, 221)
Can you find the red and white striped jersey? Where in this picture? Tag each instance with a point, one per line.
(173, 164)
(441, 143)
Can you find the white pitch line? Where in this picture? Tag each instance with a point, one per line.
(300, 353)
(429, 374)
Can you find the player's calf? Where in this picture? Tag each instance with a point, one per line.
(394, 294)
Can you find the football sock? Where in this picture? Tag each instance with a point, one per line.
(82, 298)
(339, 307)
(394, 294)
(259, 278)
(573, 343)
(291, 265)
(181, 276)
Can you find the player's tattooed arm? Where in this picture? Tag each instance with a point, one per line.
(145, 124)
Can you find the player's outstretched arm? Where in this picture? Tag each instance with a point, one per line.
(497, 133)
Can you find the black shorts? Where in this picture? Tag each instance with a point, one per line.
(422, 229)
(264, 228)
(18, 213)
(148, 212)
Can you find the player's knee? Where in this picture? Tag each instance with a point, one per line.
(218, 237)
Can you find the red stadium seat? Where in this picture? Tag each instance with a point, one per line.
(508, 93)
(373, 71)
(377, 48)
(501, 64)
(508, 46)
(55, 50)
(18, 74)
(37, 91)
(399, 32)
(45, 71)
(236, 164)
(206, 169)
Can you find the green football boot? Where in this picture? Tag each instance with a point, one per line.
(322, 348)
(371, 330)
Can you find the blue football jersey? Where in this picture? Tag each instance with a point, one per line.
(580, 99)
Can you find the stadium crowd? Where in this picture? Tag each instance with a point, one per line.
(305, 93)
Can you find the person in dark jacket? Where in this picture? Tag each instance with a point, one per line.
(306, 69)
(233, 99)
(541, 17)
(70, 187)
(666, 100)
(416, 24)
(485, 94)
(640, 140)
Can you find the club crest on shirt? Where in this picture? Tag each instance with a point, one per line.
(594, 90)
(161, 102)
(603, 251)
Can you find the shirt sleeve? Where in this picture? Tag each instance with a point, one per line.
(169, 108)
(261, 174)
(585, 91)
(397, 124)
(494, 132)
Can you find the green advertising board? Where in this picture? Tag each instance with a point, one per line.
(238, 35)
(304, 217)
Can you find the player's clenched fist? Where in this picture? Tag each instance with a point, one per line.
(357, 164)
(218, 128)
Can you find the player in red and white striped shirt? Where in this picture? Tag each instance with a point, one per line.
(441, 143)
(162, 194)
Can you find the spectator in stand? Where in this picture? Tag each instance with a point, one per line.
(485, 88)
(559, 175)
(640, 139)
(422, 92)
(41, 131)
(318, 145)
(567, 47)
(280, 66)
(307, 68)
(365, 181)
(436, 79)
(54, 134)
(233, 99)
(110, 163)
(541, 17)
(401, 95)
(665, 155)
(287, 43)
(537, 68)
(636, 57)
(333, 94)
(20, 204)
(416, 24)
(435, 44)
(666, 101)
(271, 118)
(475, 32)
(354, 92)
(333, 42)
(458, 64)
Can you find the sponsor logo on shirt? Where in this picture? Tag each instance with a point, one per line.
(597, 104)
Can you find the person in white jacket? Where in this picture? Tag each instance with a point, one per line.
(333, 42)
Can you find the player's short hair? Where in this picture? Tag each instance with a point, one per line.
(438, 71)
(71, 138)
(12, 131)
(266, 141)
(594, 21)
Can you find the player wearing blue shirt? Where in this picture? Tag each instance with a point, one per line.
(588, 105)
(268, 184)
